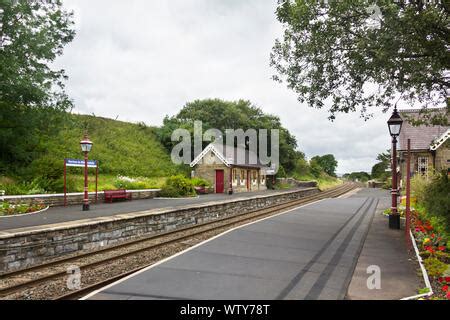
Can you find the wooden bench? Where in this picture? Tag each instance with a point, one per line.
(116, 194)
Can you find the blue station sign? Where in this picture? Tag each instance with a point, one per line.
(80, 163)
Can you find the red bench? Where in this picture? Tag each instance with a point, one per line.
(116, 194)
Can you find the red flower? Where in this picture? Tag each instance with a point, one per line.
(447, 279)
(448, 295)
(445, 288)
(440, 279)
(441, 248)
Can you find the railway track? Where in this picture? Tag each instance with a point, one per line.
(50, 276)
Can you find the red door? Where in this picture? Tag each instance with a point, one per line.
(219, 181)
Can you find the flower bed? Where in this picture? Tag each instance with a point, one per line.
(433, 245)
(7, 209)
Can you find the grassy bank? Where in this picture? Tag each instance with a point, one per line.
(324, 181)
(327, 183)
(122, 149)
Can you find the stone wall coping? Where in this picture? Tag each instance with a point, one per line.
(21, 232)
(49, 195)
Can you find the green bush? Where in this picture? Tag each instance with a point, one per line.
(316, 169)
(12, 187)
(281, 173)
(282, 186)
(388, 184)
(199, 182)
(178, 186)
(419, 184)
(436, 199)
(123, 182)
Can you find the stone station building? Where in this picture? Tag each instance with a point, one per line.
(231, 169)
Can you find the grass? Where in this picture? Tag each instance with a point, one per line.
(111, 182)
(324, 182)
(283, 186)
(122, 148)
(327, 183)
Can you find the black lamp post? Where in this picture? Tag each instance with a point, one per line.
(86, 146)
(395, 126)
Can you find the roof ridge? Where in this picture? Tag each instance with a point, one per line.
(421, 109)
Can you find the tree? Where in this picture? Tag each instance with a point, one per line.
(360, 176)
(328, 163)
(316, 169)
(222, 115)
(32, 35)
(355, 55)
(379, 169)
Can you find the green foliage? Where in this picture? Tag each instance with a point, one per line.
(419, 185)
(178, 186)
(434, 266)
(302, 170)
(330, 52)
(437, 198)
(199, 182)
(123, 182)
(360, 176)
(32, 94)
(423, 290)
(281, 173)
(11, 187)
(326, 182)
(327, 162)
(122, 149)
(282, 186)
(379, 170)
(222, 115)
(315, 168)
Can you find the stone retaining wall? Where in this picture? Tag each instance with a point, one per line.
(73, 198)
(20, 249)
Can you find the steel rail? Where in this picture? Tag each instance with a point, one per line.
(245, 216)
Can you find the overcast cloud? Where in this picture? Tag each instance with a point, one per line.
(141, 60)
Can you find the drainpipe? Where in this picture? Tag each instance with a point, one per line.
(230, 181)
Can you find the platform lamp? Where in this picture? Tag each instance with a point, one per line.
(395, 126)
(86, 146)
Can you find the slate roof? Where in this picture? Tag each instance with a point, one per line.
(421, 136)
(230, 155)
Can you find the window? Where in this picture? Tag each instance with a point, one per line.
(242, 177)
(234, 177)
(254, 177)
(422, 165)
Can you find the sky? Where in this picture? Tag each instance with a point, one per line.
(141, 60)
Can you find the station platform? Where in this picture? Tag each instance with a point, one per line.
(309, 252)
(73, 213)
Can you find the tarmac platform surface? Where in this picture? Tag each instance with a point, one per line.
(73, 212)
(306, 253)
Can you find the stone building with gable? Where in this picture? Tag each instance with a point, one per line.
(430, 146)
(230, 169)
